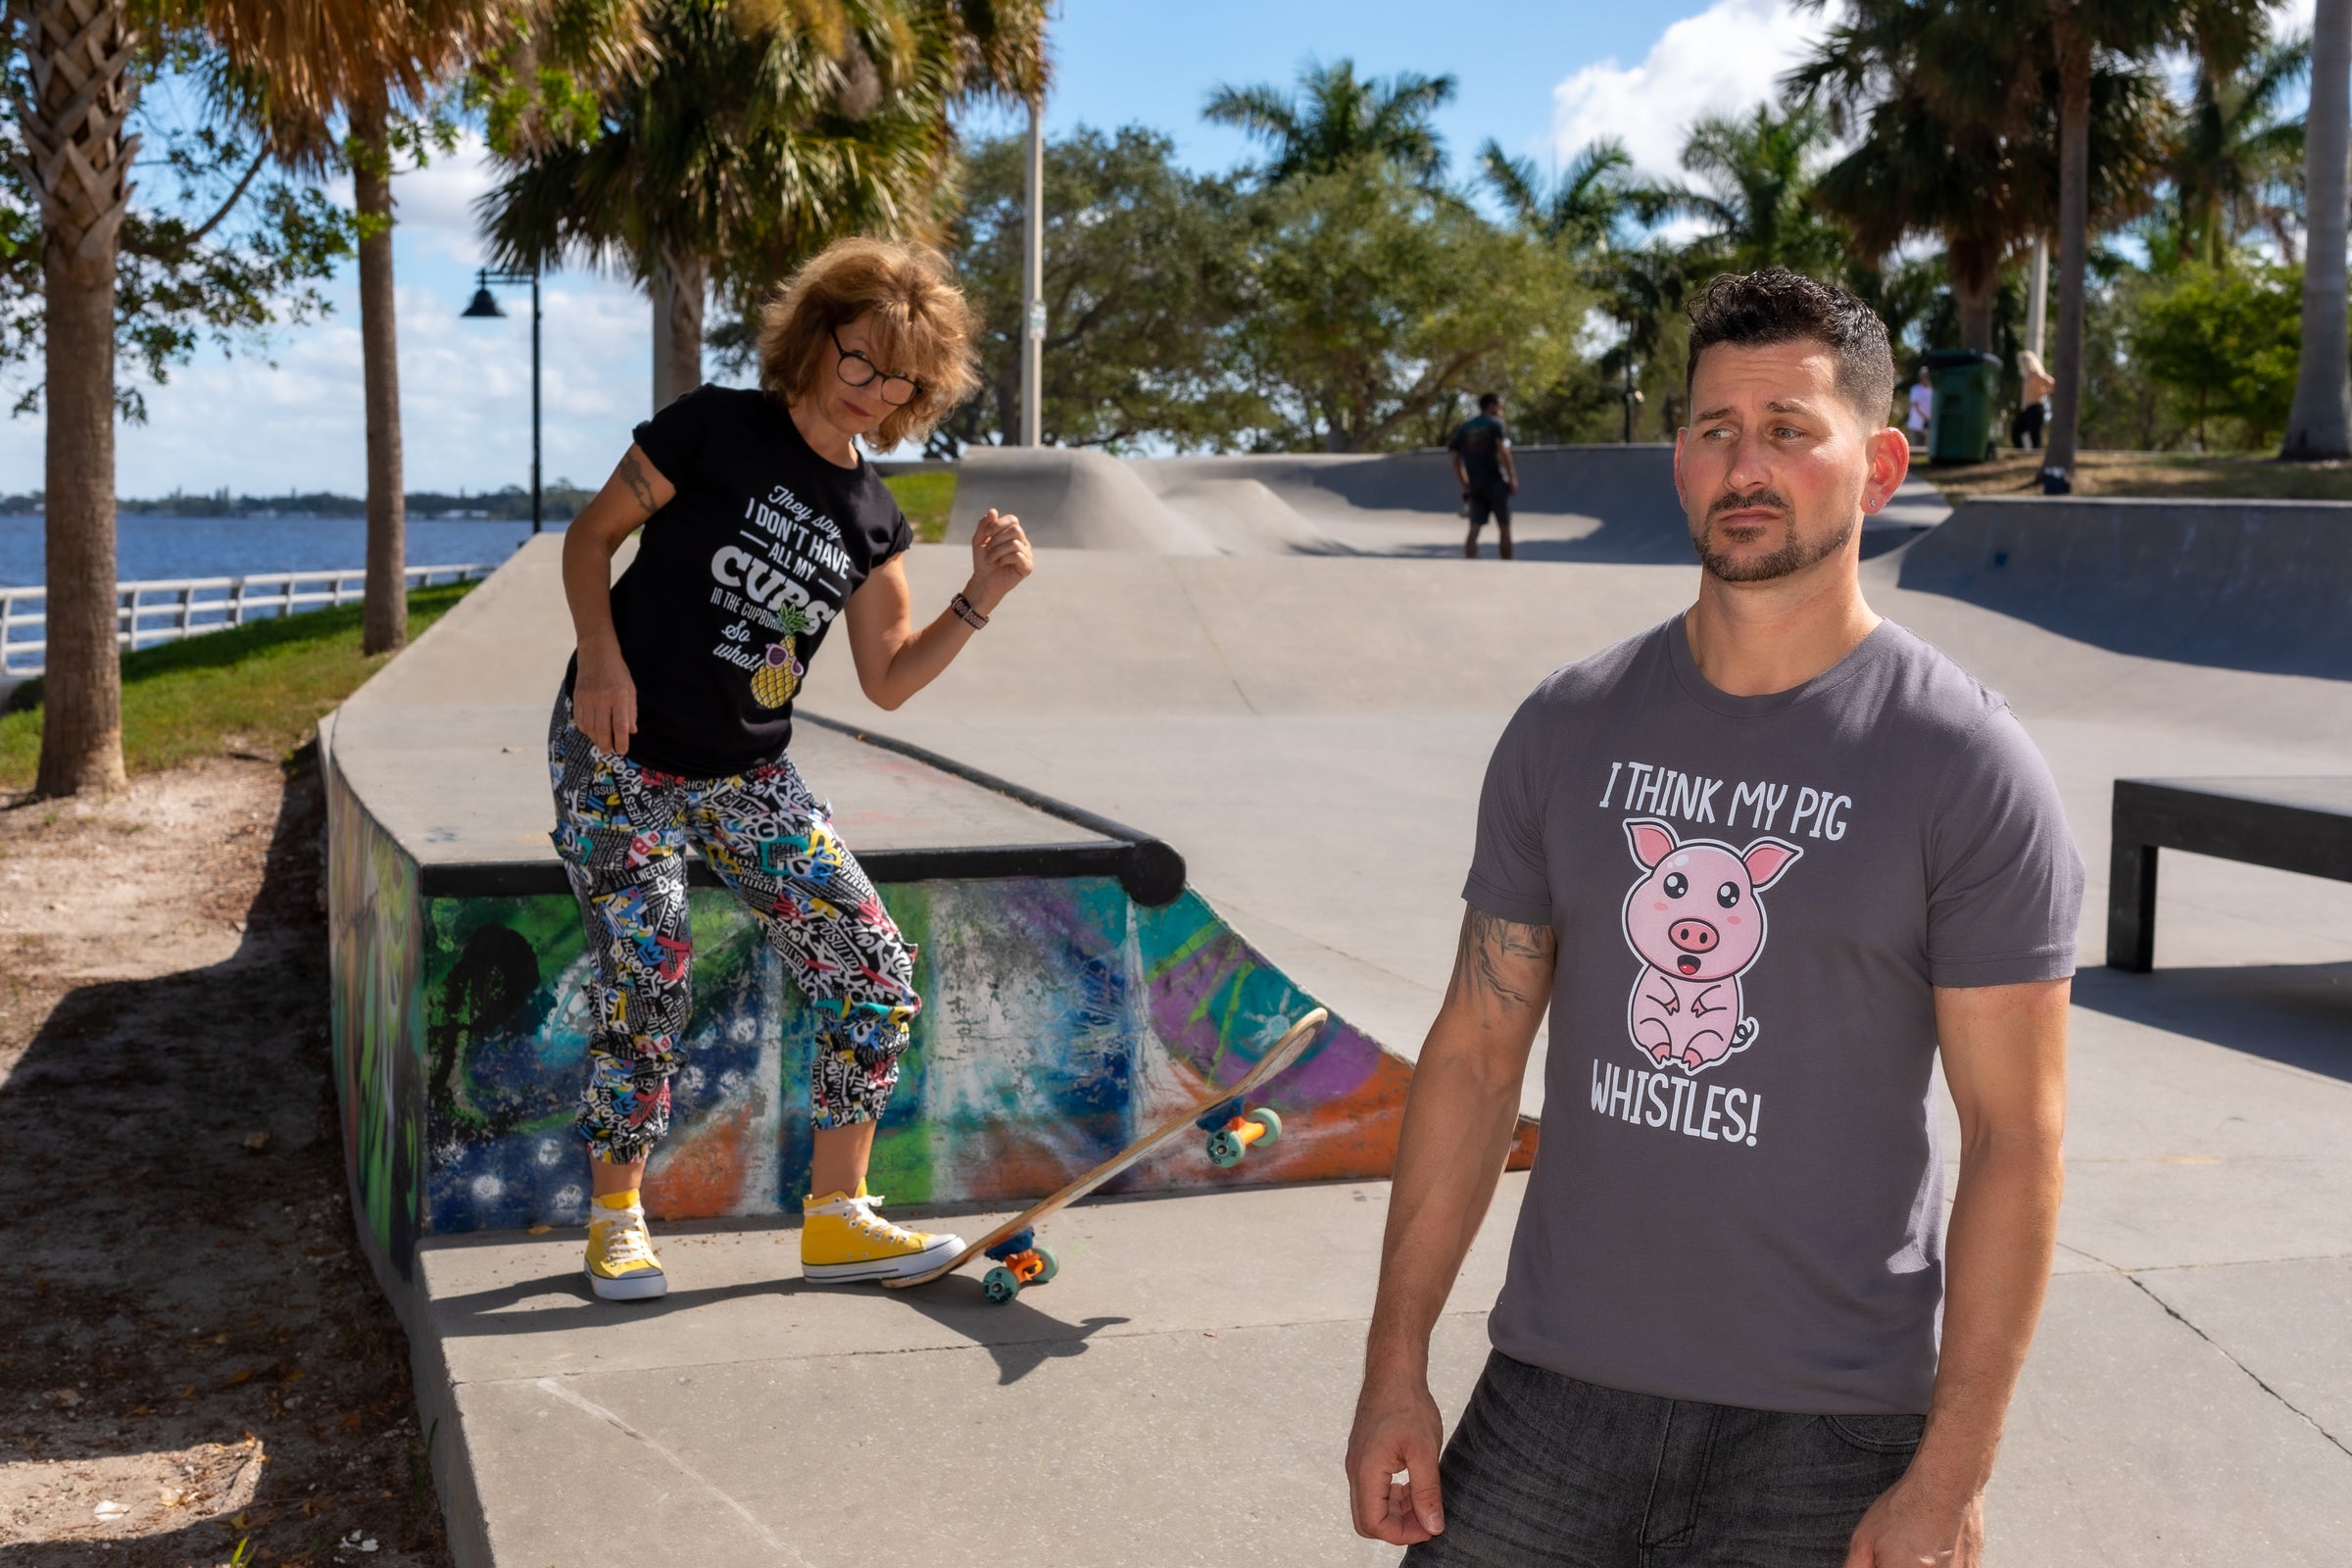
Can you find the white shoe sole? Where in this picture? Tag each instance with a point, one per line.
(942, 1248)
(638, 1287)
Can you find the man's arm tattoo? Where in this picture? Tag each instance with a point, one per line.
(632, 474)
(1487, 943)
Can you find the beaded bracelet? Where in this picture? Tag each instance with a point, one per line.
(963, 608)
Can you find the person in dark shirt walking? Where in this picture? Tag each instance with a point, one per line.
(1483, 467)
(762, 528)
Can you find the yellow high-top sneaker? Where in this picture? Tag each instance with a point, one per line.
(841, 1237)
(621, 1266)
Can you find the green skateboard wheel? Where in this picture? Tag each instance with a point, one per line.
(1052, 1268)
(1269, 1121)
(1002, 1285)
(1225, 1149)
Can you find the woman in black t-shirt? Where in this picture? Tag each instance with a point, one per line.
(763, 525)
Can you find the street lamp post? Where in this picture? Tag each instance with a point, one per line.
(485, 305)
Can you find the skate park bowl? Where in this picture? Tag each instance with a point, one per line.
(1305, 717)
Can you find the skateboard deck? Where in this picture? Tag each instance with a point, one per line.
(1285, 1050)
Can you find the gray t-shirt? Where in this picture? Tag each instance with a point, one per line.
(1736, 1194)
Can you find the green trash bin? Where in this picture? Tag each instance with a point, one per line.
(1960, 424)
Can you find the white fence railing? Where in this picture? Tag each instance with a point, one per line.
(167, 611)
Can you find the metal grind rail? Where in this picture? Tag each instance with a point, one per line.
(168, 610)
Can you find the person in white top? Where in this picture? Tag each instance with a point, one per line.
(1923, 406)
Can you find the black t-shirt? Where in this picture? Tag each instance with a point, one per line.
(1480, 442)
(738, 579)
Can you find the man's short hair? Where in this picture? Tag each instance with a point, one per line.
(1755, 309)
(1489, 400)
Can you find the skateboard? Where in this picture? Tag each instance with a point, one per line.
(1233, 1131)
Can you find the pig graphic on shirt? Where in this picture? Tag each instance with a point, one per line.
(1694, 920)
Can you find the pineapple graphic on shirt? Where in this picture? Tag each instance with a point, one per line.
(779, 673)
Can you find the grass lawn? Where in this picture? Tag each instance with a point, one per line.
(926, 497)
(2238, 475)
(257, 689)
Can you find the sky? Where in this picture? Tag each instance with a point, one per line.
(1543, 77)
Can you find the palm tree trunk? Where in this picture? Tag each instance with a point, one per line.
(384, 618)
(677, 286)
(78, 53)
(1975, 281)
(2319, 423)
(2073, 236)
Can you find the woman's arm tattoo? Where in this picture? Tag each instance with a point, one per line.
(632, 474)
(1491, 960)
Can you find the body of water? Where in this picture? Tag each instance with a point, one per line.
(150, 547)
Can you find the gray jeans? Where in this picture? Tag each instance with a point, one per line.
(1546, 1470)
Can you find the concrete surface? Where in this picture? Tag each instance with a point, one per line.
(1181, 1392)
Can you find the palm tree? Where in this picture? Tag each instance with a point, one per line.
(2079, 31)
(1756, 190)
(2231, 151)
(1335, 118)
(1956, 141)
(746, 137)
(78, 55)
(361, 61)
(2319, 423)
(1585, 208)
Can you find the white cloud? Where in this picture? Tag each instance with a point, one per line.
(1726, 59)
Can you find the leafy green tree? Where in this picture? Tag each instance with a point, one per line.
(1140, 278)
(2080, 33)
(109, 275)
(1336, 118)
(1371, 303)
(230, 257)
(2225, 343)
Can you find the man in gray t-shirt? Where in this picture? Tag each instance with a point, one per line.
(1764, 860)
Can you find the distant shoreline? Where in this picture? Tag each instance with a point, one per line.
(560, 502)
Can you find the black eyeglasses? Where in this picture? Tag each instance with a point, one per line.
(857, 369)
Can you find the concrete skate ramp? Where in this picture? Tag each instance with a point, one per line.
(1072, 500)
(2263, 586)
(1597, 504)
(1587, 503)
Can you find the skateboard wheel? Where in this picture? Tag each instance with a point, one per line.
(1052, 1265)
(1002, 1285)
(1224, 1149)
(1269, 1121)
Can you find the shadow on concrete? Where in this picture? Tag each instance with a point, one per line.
(1017, 1334)
(2299, 1014)
(481, 1314)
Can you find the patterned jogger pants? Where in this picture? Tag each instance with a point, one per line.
(623, 831)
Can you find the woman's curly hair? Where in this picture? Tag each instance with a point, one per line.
(920, 324)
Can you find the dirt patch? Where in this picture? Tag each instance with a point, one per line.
(199, 1359)
(2232, 476)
